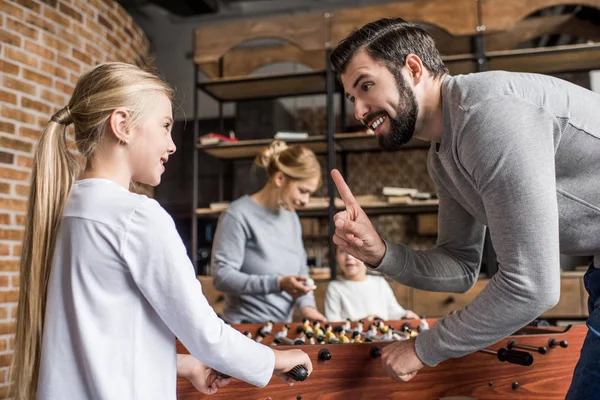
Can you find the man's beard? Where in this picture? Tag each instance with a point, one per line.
(402, 127)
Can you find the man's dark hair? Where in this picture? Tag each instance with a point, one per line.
(390, 40)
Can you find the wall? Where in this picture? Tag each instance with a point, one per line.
(45, 46)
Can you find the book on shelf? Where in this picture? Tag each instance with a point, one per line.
(217, 138)
(219, 206)
(291, 135)
(398, 191)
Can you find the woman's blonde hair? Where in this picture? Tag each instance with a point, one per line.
(97, 94)
(296, 162)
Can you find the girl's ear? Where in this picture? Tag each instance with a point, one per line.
(118, 125)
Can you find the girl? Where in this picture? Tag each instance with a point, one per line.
(258, 256)
(106, 284)
(361, 296)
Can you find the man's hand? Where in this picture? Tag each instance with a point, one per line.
(205, 379)
(313, 314)
(400, 360)
(294, 285)
(354, 232)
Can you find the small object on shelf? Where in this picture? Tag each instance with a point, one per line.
(217, 138)
(219, 206)
(398, 191)
(291, 135)
(420, 196)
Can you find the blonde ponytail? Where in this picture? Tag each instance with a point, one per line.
(53, 173)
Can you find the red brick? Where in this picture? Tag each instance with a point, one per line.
(9, 68)
(53, 97)
(4, 250)
(10, 296)
(55, 43)
(98, 28)
(10, 9)
(22, 29)
(22, 190)
(16, 252)
(14, 280)
(81, 57)
(6, 158)
(93, 51)
(9, 265)
(66, 89)
(11, 173)
(51, 3)
(35, 105)
(84, 32)
(69, 36)
(18, 85)
(11, 342)
(69, 63)
(4, 219)
(20, 219)
(87, 10)
(17, 115)
(37, 77)
(30, 133)
(5, 189)
(10, 38)
(11, 234)
(55, 16)
(40, 22)
(115, 42)
(51, 69)
(4, 282)
(65, 9)
(74, 78)
(7, 127)
(40, 50)
(32, 5)
(7, 327)
(21, 56)
(8, 97)
(15, 144)
(4, 342)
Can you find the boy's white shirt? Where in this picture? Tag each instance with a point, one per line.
(359, 299)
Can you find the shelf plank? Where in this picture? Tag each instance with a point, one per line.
(345, 142)
(266, 86)
(416, 207)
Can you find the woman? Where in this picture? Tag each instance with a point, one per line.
(258, 256)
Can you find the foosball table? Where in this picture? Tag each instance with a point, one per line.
(534, 363)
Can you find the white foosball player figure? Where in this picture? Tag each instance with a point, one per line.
(359, 327)
(348, 325)
(268, 327)
(423, 325)
(372, 332)
(283, 332)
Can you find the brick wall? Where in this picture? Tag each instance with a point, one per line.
(45, 46)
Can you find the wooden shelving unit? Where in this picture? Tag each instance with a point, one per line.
(344, 142)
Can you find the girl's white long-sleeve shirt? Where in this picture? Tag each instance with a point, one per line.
(122, 288)
(359, 299)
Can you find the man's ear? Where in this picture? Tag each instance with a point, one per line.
(414, 67)
(118, 122)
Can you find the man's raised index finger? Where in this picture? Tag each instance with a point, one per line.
(342, 188)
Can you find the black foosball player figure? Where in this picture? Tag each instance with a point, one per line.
(356, 338)
(248, 334)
